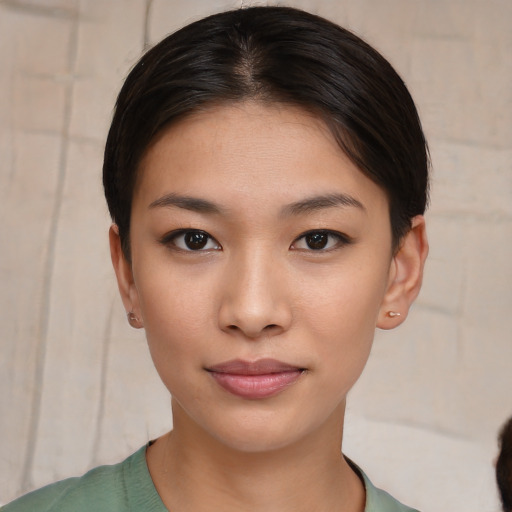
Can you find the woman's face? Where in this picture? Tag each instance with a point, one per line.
(261, 259)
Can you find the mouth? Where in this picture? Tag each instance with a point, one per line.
(255, 380)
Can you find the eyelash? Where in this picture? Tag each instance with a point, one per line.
(341, 240)
(171, 238)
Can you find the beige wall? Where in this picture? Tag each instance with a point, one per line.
(77, 386)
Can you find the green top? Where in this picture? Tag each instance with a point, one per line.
(127, 487)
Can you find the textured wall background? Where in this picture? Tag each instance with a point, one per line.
(77, 385)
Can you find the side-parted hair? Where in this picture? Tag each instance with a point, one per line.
(504, 466)
(273, 55)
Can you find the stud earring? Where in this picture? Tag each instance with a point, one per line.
(133, 320)
(393, 314)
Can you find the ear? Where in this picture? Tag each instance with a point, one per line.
(405, 276)
(125, 282)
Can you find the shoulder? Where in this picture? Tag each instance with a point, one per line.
(105, 488)
(378, 500)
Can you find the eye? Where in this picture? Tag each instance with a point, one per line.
(191, 240)
(320, 240)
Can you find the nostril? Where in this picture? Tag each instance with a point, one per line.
(266, 330)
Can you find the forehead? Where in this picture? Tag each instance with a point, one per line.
(249, 125)
(251, 150)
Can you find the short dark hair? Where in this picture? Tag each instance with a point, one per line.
(504, 466)
(273, 55)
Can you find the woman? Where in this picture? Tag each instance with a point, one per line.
(267, 176)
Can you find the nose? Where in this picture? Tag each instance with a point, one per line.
(255, 301)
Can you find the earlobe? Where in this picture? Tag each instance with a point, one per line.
(406, 275)
(125, 282)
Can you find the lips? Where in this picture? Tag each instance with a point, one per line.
(255, 380)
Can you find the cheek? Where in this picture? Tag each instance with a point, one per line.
(344, 342)
(348, 302)
(343, 319)
(177, 316)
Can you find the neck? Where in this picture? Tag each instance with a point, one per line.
(193, 471)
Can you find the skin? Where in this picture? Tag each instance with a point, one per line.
(258, 290)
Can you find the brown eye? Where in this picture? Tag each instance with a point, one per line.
(191, 240)
(320, 240)
(317, 241)
(195, 240)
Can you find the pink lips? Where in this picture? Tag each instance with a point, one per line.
(255, 380)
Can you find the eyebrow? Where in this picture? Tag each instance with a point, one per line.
(187, 203)
(321, 202)
(308, 205)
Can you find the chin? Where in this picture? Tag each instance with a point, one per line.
(259, 433)
(258, 426)
(258, 441)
